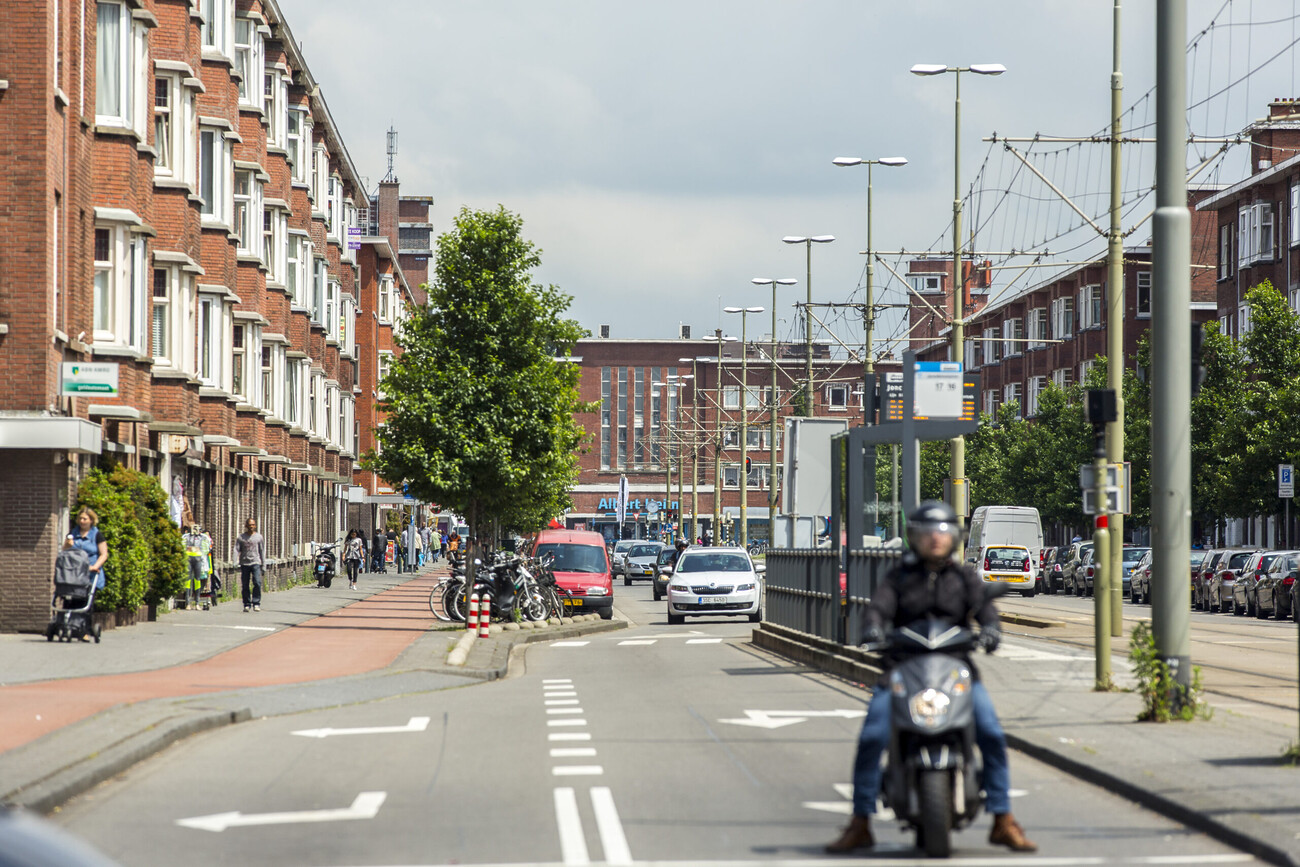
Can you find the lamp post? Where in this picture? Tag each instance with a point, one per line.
(808, 241)
(668, 461)
(679, 382)
(744, 416)
(695, 450)
(771, 408)
(717, 433)
(957, 465)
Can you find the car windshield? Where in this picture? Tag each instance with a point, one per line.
(713, 563)
(622, 546)
(1238, 560)
(643, 550)
(1063, 556)
(1266, 561)
(1005, 558)
(1132, 555)
(571, 557)
(665, 556)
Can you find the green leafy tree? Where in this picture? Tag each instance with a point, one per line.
(480, 411)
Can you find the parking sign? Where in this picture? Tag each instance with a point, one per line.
(1285, 480)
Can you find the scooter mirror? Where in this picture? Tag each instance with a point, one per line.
(478, 562)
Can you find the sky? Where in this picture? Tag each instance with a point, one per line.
(658, 152)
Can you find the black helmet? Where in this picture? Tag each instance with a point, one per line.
(682, 545)
(930, 516)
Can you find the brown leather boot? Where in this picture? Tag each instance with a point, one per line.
(1007, 832)
(856, 836)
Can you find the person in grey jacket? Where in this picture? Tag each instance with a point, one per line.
(250, 553)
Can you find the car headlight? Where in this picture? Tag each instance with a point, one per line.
(677, 588)
(929, 707)
(596, 591)
(744, 587)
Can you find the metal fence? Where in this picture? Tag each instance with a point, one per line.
(803, 590)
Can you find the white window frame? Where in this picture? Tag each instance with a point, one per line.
(1038, 333)
(1014, 391)
(837, 398)
(179, 322)
(1037, 385)
(381, 371)
(249, 62)
(1090, 306)
(333, 310)
(275, 243)
(219, 156)
(1013, 332)
(213, 329)
(275, 105)
(731, 476)
(123, 76)
(246, 213)
(122, 285)
(731, 397)
(245, 342)
(299, 143)
(217, 33)
(926, 283)
(991, 402)
(386, 300)
(1084, 367)
(1063, 318)
(968, 354)
(1244, 325)
(992, 346)
(1142, 294)
(298, 267)
(1225, 251)
(320, 173)
(1256, 238)
(1062, 378)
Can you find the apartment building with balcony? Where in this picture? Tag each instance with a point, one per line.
(178, 206)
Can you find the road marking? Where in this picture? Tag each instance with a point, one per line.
(637, 641)
(220, 626)
(566, 722)
(569, 736)
(559, 701)
(562, 710)
(557, 680)
(577, 771)
(704, 641)
(775, 719)
(570, 643)
(573, 843)
(612, 839)
(572, 752)
(563, 692)
(416, 724)
(365, 806)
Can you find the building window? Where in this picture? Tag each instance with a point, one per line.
(1037, 385)
(731, 476)
(320, 172)
(1225, 252)
(1254, 234)
(1012, 393)
(161, 315)
(238, 358)
(969, 359)
(333, 311)
(121, 51)
(299, 131)
(731, 397)
(622, 418)
(1085, 367)
(385, 299)
(163, 122)
(1038, 328)
(268, 377)
(211, 340)
(275, 95)
(992, 346)
(1062, 318)
(385, 365)
(248, 62)
(606, 408)
(926, 282)
(243, 215)
(1144, 293)
(1062, 378)
(318, 280)
(120, 281)
(1013, 336)
(217, 18)
(293, 373)
(991, 403)
(1244, 324)
(638, 419)
(837, 397)
(216, 174)
(1090, 306)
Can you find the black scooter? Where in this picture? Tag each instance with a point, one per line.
(324, 565)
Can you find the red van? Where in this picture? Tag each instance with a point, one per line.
(581, 567)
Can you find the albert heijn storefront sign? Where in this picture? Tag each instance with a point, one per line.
(634, 507)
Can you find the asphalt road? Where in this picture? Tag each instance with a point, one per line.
(653, 744)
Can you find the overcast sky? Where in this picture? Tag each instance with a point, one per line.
(658, 152)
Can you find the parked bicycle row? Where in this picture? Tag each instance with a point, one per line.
(509, 588)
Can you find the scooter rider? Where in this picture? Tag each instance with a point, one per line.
(929, 582)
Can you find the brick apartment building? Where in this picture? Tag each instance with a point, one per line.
(178, 205)
(639, 425)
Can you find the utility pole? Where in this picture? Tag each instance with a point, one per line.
(1115, 336)
(1171, 324)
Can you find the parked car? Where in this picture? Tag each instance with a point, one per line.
(1201, 577)
(639, 561)
(581, 567)
(1077, 552)
(1195, 562)
(709, 581)
(1218, 589)
(616, 554)
(1084, 574)
(1045, 559)
(1132, 554)
(663, 571)
(1053, 570)
(1241, 594)
(1008, 564)
(1271, 586)
(1139, 584)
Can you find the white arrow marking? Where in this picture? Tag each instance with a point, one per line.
(416, 724)
(366, 806)
(845, 807)
(775, 719)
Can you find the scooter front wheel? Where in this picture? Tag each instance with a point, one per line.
(934, 825)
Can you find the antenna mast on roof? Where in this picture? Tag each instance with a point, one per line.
(392, 152)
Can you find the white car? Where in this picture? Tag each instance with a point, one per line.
(1008, 564)
(710, 581)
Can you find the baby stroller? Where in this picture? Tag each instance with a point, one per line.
(74, 597)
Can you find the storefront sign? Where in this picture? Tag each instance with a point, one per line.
(98, 378)
(634, 507)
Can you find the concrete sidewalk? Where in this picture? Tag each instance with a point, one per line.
(73, 715)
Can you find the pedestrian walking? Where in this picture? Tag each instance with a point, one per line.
(378, 547)
(417, 538)
(426, 534)
(395, 540)
(353, 553)
(410, 538)
(85, 535)
(250, 554)
(198, 550)
(443, 545)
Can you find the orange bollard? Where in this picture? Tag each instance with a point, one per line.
(471, 622)
(484, 617)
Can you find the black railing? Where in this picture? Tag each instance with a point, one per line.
(803, 592)
(865, 570)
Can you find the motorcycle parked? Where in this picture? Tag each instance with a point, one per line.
(932, 781)
(324, 565)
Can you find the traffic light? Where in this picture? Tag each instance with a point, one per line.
(747, 463)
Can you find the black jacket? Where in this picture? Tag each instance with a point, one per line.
(913, 591)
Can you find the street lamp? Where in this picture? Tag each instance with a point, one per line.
(744, 415)
(695, 451)
(957, 465)
(808, 241)
(717, 432)
(679, 381)
(668, 457)
(771, 466)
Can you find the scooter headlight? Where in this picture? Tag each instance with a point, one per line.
(929, 707)
(896, 685)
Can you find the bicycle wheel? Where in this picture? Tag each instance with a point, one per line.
(535, 607)
(436, 603)
(453, 601)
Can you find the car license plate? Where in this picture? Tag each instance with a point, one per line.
(320, 568)
(712, 600)
(569, 603)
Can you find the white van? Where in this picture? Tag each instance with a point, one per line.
(1006, 525)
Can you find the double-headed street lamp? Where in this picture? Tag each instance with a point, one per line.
(957, 466)
(680, 381)
(744, 415)
(720, 340)
(695, 449)
(869, 314)
(771, 445)
(808, 241)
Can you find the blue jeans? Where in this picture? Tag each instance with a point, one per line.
(250, 584)
(874, 738)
